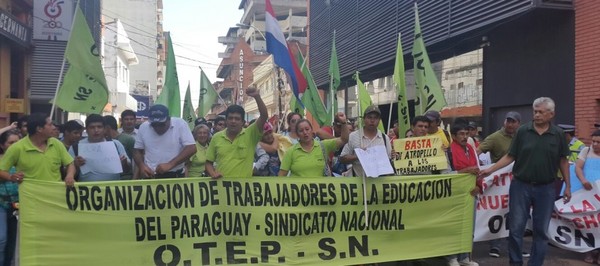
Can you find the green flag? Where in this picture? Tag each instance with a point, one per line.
(428, 90)
(208, 95)
(169, 96)
(188, 109)
(311, 99)
(84, 86)
(364, 100)
(334, 80)
(400, 80)
(296, 106)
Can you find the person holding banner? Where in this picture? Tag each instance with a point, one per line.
(163, 144)
(38, 155)
(368, 136)
(538, 149)
(310, 157)
(464, 160)
(196, 165)
(9, 198)
(232, 150)
(593, 154)
(95, 128)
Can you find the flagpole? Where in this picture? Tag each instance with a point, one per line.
(331, 90)
(360, 136)
(62, 67)
(390, 117)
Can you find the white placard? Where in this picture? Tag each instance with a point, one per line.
(101, 157)
(374, 160)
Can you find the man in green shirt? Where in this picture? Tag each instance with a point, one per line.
(538, 149)
(498, 142)
(231, 151)
(38, 155)
(111, 132)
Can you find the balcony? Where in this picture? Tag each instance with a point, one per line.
(227, 40)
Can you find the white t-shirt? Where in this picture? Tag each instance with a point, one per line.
(587, 153)
(163, 148)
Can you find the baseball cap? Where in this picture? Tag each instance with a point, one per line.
(513, 115)
(433, 115)
(267, 127)
(158, 114)
(199, 121)
(567, 128)
(372, 109)
(472, 124)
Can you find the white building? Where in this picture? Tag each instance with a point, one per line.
(142, 20)
(119, 56)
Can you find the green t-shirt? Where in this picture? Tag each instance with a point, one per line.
(497, 144)
(198, 161)
(128, 141)
(35, 164)
(303, 163)
(537, 157)
(234, 158)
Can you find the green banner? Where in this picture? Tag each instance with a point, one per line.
(266, 221)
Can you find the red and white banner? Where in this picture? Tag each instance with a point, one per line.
(492, 206)
(576, 225)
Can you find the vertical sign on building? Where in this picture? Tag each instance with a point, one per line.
(52, 19)
(240, 100)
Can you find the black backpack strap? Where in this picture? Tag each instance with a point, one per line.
(75, 147)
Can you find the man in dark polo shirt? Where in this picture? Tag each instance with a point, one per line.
(538, 149)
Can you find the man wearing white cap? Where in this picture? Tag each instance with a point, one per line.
(163, 145)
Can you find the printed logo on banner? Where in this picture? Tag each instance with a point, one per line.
(576, 225)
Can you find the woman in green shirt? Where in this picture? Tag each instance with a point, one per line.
(310, 157)
(195, 166)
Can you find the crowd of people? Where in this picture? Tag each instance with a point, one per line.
(165, 147)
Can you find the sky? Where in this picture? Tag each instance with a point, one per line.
(195, 26)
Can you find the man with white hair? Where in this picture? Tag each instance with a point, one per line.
(538, 149)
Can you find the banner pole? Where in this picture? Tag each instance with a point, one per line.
(62, 67)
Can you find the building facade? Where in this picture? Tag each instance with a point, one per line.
(521, 58)
(142, 20)
(15, 58)
(118, 59)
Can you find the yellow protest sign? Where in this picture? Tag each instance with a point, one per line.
(266, 221)
(419, 154)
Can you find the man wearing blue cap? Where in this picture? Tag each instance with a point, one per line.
(163, 144)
